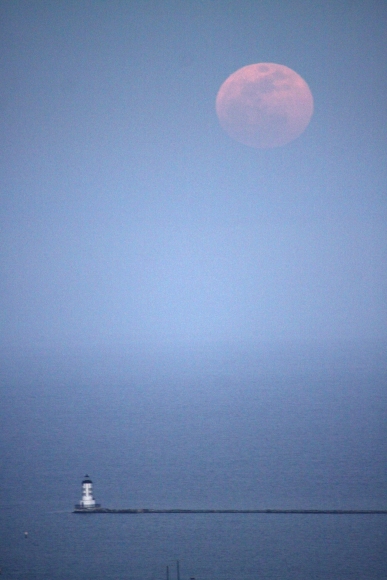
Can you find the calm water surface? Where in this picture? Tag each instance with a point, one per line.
(243, 547)
(231, 430)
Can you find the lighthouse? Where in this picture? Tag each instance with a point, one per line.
(87, 501)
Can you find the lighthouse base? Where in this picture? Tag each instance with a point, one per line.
(82, 508)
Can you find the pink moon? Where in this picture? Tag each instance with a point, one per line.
(264, 105)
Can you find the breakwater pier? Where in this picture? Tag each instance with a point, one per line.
(100, 510)
(88, 505)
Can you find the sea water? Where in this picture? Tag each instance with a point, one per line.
(61, 545)
(240, 430)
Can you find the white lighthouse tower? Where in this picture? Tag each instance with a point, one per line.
(87, 501)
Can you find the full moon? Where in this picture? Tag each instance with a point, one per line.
(264, 105)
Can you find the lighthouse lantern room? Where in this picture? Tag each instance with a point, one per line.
(87, 501)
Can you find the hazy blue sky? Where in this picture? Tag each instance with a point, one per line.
(128, 214)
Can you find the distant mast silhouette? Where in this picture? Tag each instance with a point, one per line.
(87, 501)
